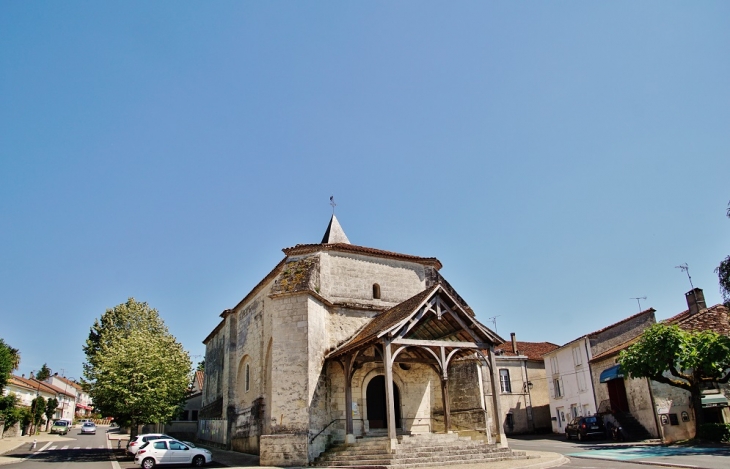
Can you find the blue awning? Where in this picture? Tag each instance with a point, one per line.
(611, 373)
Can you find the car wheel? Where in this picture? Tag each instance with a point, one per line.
(148, 463)
(581, 437)
(198, 461)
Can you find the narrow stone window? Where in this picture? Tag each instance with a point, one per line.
(376, 291)
(248, 378)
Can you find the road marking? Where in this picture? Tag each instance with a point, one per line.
(88, 447)
(77, 447)
(65, 447)
(115, 464)
(52, 448)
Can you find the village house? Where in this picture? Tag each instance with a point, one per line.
(572, 392)
(524, 394)
(340, 342)
(663, 411)
(81, 406)
(27, 389)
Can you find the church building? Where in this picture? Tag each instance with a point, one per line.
(341, 342)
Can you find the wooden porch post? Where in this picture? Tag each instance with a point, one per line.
(445, 391)
(447, 404)
(496, 405)
(349, 431)
(389, 396)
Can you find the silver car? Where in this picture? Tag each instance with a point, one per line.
(88, 428)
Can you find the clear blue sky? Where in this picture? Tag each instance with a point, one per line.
(559, 158)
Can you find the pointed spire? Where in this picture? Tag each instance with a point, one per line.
(334, 233)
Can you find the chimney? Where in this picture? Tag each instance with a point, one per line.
(514, 343)
(695, 301)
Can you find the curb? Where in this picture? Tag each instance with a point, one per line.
(645, 463)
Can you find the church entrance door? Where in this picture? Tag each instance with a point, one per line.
(376, 403)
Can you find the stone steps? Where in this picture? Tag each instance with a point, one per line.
(416, 451)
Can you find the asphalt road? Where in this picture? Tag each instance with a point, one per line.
(599, 454)
(89, 451)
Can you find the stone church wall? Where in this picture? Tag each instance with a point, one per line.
(466, 397)
(350, 278)
(288, 444)
(213, 384)
(247, 406)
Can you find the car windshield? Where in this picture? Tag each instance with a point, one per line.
(144, 444)
(60, 424)
(590, 420)
(88, 424)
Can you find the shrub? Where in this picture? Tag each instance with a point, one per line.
(714, 432)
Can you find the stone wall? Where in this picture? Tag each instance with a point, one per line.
(346, 277)
(620, 333)
(418, 387)
(539, 395)
(466, 397)
(213, 383)
(290, 365)
(284, 450)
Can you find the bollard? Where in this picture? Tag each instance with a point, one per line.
(119, 444)
(32, 445)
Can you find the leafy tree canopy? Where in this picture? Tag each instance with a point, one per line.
(9, 409)
(135, 371)
(683, 359)
(201, 365)
(44, 373)
(6, 364)
(51, 406)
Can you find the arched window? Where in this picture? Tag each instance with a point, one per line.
(376, 291)
(248, 378)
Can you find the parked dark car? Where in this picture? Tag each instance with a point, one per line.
(585, 427)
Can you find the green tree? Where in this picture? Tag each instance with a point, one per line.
(44, 373)
(6, 364)
(683, 359)
(51, 406)
(9, 410)
(201, 365)
(135, 370)
(37, 409)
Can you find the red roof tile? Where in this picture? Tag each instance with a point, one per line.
(532, 350)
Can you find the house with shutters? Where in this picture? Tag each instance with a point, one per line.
(648, 409)
(569, 373)
(340, 343)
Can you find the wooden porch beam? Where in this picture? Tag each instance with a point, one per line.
(440, 343)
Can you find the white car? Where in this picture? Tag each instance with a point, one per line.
(136, 442)
(156, 452)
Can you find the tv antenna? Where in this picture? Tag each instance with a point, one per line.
(685, 268)
(332, 203)
(638, 300)
(493, 320)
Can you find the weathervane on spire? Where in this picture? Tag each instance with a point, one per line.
(332, 203)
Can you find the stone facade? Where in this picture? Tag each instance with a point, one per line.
(267, 379)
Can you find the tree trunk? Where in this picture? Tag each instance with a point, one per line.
(697, 407)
